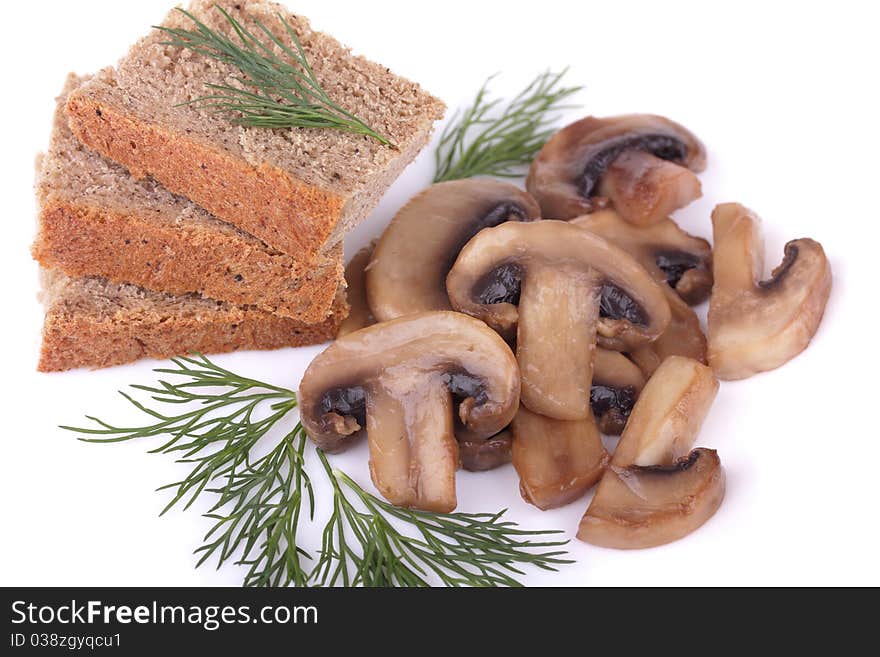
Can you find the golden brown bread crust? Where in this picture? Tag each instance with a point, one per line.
(264, 201)
(75, 338)
(97, 220)
(83, 240)
(298, 190)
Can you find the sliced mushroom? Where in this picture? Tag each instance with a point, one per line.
(567, 175)
(400, 381)
(617, 382)
(412, 258)
(359, 314)
(672, 256)
(646, 189)
(757, 325)
(683, 337)
(668, 253)
(481, 455)
(557, 461)
(668, 415)
(646, 506)
(557, 286)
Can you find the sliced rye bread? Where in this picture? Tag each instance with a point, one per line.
(97, 220)
(91, 322)
(298, 189)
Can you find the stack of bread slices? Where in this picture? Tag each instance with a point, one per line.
(165, 228)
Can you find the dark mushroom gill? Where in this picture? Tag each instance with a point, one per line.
(666, 147)
(503, 284)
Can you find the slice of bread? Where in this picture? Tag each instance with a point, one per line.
(96, 220)
(91, 322)
(297, 189)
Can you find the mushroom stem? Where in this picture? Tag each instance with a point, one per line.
(557, 461)
(558, 310)
(668, 415)
(645, 189)
(413, 451)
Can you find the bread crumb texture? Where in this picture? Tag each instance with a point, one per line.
(297, 189)
(91, 322)
(97, 220)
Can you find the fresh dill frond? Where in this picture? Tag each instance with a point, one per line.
(215, 433)
(272, 91)
(488, 140)
(363, 547)
(258, 503)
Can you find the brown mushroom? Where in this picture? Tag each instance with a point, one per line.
(668, 415)
(400, 382)
(557, 461)
(645, 506)
(643, 162)
(616, 385)
(408, 270)
(488, 454)
(359, 314)
(669, 254)
(757, 325)
(683, 337)
(559, 287)
(651, 494)
(674, 257)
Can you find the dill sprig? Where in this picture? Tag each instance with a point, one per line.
(272, 92)
(259, 502)
(483, 141)
(460, 549)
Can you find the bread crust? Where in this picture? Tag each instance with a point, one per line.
(74, 338)
(298, 190)
(265, 201)
(87, 240)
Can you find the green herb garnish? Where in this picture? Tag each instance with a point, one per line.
(483, 141)
(259, 502)
(272, 92)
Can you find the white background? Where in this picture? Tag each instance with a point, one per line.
(784, 96)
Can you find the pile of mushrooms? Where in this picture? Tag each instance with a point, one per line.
(491, 324)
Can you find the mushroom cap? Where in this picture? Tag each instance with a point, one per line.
(461, 353)
(756, 325)
(486, 278)
(617, 383)
(646, 506)
(359, 313)
(669, 254)
(407, 273)
(667, 417)
(567, 172)
(557, 461)
(559, 288)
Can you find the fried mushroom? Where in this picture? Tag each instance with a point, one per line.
(668, 415)
(359, 314)
(411, 384)
(557, 461)
(757, 325)
(655, 492)
(407, 273)
(645, 506)
(617, 382)
(671, 255)
(482, 455)
(644, 163)
(558, 288)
